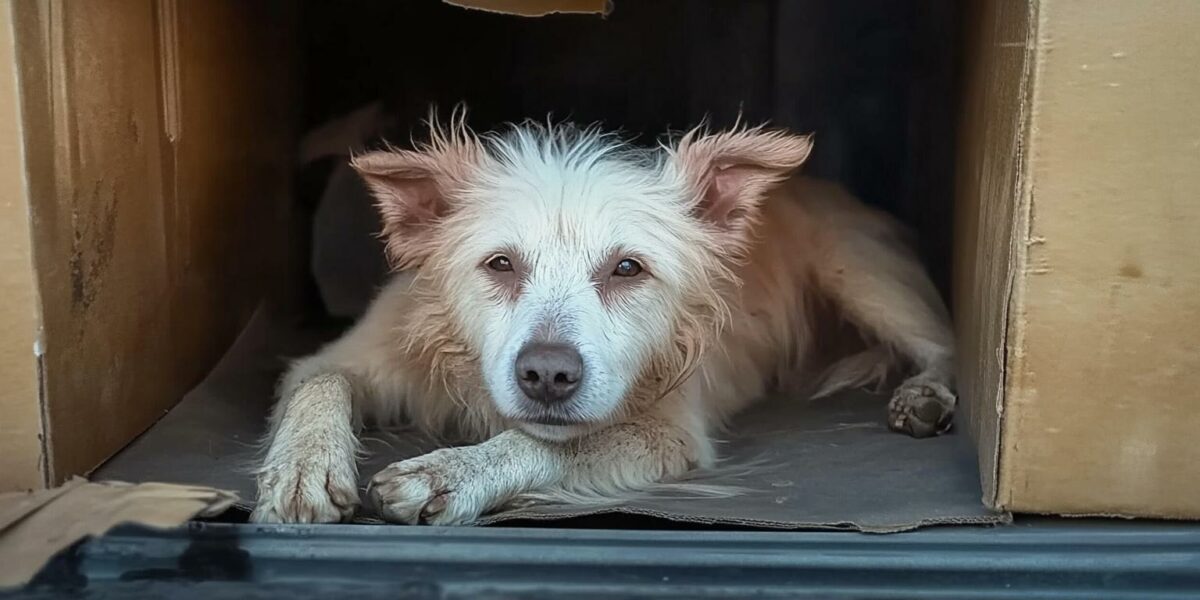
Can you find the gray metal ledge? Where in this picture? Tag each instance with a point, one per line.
(1037, 559)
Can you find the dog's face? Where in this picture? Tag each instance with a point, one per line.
(567, 275)
(582, 275)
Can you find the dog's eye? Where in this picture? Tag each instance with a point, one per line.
(628, 268)
(500, 263)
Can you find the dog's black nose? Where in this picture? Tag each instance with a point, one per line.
(549, 373)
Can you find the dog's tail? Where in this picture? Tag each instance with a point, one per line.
(866, 368)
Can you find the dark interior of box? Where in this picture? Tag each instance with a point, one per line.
(876, 81)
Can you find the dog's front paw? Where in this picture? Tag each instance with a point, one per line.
(317, 489)
(922, 408)
(445, 487)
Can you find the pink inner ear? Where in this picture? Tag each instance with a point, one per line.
(408, 203)
(405, 184)
(424, 201)
(735, 169)
(724, 198)
(406, 199)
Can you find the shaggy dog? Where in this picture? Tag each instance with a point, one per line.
(591, 314)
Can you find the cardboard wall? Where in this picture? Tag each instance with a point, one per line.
(1077, 280)
(997, 77)
(157, 144)
(1103, 412)
(20, 411)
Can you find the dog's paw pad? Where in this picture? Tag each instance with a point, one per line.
(427, 490)
(922, 409)
(317, 490)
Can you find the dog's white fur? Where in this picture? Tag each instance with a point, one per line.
(746, 269)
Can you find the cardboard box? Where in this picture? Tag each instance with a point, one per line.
(1078, 246)
(147, 151)
(147, 156)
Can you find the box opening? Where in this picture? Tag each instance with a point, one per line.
(164, 186)
(878, 84)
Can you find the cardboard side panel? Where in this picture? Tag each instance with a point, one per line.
(229, 103)
(993, 129)
(1103, 412)
(144, 202)
(20, 413)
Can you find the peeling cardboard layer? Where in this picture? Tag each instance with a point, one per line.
(35, 526)
(537, 8)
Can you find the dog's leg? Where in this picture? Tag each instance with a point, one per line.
(456, 485)
(882, 287)
(310, 473)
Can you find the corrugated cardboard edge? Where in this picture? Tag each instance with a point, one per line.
(991, 187)
(1019, 248)
(537, 8)
(22, 434)
(34, 526)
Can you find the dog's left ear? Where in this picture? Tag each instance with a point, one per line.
(730, 172)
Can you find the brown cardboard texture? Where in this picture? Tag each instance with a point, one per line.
(34, 526)
(155, 162)
(1095, 369)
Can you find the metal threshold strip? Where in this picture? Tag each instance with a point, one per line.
(1031, 559)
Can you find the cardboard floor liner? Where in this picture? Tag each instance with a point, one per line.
(826, 464)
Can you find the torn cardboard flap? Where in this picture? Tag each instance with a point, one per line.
(34, 526)
(536, 8)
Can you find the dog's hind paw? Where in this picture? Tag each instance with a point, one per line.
(922, 408)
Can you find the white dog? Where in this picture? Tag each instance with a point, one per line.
(591, 313)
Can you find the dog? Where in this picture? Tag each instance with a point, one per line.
(591, 314)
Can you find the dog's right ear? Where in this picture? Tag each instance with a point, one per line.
(412, 190)
(410, 199)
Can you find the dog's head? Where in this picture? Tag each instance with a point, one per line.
(583, 275)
